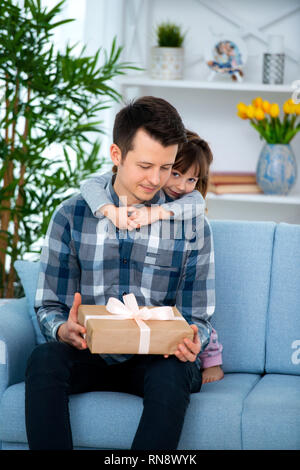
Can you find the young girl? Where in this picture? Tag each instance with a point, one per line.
(187, 185)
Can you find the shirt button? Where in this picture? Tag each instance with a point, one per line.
(125, 261)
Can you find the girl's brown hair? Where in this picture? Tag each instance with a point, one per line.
(195, 151)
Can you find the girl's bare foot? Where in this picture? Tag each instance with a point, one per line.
(212, 374)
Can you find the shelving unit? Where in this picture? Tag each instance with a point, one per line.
(254, 207)
(256, 198)
(234, 206)
(145, 81)
(209, 107)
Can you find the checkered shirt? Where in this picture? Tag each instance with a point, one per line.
(169, 262)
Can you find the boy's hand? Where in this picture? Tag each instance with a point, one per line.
(190, 349)
(71, 331)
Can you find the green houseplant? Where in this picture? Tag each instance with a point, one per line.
(169, 35)
(50, 100)
(168, 55)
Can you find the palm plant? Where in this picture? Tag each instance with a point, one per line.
(50, 100)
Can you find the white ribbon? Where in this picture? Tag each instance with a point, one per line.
(130, 310)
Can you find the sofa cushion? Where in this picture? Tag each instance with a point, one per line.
(283, 332)
(28, 272)
(243, 255)
(98, 419)
(213, 419)
(271, 416)
(108, 420)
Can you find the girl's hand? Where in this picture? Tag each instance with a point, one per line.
(147, 215)
(119, 216)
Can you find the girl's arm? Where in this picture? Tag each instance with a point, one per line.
(94, 192)
(187, 206)
(184, 208)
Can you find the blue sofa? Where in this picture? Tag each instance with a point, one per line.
(255, 406)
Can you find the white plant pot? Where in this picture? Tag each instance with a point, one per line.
(167, 63)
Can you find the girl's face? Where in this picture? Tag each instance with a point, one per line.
(179, 183)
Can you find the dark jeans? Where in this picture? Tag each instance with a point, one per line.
(56, 370)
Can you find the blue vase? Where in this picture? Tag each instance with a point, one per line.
(276, 171)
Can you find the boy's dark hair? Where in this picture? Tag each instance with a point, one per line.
(154, 115)
(195, 151)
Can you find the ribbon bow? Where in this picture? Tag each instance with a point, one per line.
(130, 310)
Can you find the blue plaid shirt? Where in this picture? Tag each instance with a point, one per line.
(169, 262)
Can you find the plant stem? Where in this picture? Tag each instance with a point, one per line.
(19, 205)
(6, 211)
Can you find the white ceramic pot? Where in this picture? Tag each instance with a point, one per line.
(167, 63)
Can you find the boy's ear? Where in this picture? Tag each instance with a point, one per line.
(115, 154)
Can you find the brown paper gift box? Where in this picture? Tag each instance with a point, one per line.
(123, 336)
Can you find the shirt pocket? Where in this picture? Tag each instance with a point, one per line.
(161, 261)
(156, 277)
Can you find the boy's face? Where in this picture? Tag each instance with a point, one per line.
(145, 169)
(181, 183)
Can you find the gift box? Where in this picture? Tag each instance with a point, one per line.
(126, 328)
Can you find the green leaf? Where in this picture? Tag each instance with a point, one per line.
(68, 94)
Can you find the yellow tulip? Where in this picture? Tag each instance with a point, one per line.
(286, 108)
(297, 109)
(274, 110)
(259, 114)
(250, 111)
(257, 102)
(242, 115)
(242, 107)
(289, 107)
(266, 106)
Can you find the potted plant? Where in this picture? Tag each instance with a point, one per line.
(167, 56)
(49, 100)
(276, 170)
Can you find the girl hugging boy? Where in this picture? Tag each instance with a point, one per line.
(189, 182)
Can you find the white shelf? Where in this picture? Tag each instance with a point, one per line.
(145, 81)
(256, 198)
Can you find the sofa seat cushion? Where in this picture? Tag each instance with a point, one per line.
(271, 416)
(213, 419)
(108, 420)
(105, 420)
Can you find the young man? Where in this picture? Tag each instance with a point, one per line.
(85, 260)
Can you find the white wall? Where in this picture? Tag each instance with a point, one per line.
(212, 113)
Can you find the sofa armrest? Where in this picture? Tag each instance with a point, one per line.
(17, 340)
